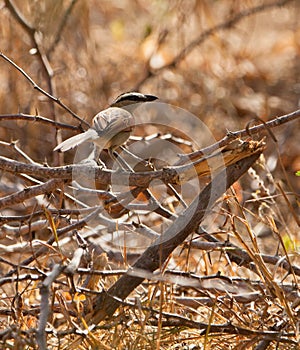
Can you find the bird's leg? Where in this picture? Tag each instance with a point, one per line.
(121, 162)
(95, 155)
(146, 163)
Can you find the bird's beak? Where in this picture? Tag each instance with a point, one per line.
(150, 98)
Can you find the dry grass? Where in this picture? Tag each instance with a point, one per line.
(233, 283)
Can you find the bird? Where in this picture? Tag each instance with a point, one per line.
(111, 127)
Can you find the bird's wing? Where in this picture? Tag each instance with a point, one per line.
(76, 140)
(112, 121)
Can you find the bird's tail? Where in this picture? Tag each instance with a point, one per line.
(76, 140)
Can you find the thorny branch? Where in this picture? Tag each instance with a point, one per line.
(47, 94)
(39, 119)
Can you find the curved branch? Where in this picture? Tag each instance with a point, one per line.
(207, 34)
(47, 94)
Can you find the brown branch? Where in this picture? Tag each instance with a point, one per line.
(174, 320)
(27, 193)
(143, 179)
(22, 230)
(224, 26)
(103, 176)
(19, 18)
(118, 205)
(155, 255)
(61, 27)
(33, 35)
(241, 257)
(277, 121)
(168, 175)
(21, 218)
(47, 94)
(59, 232)
(207, 34)
(37, 118)
(172, 175)
(14, 145)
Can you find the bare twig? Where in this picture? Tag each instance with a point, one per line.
(31, 31)
(174, 320)
(61, 212)
(277, 121)
(61, 27)
(228, 24)
(38, 118)
(59, 232)
(241, 257)
(37, 87)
